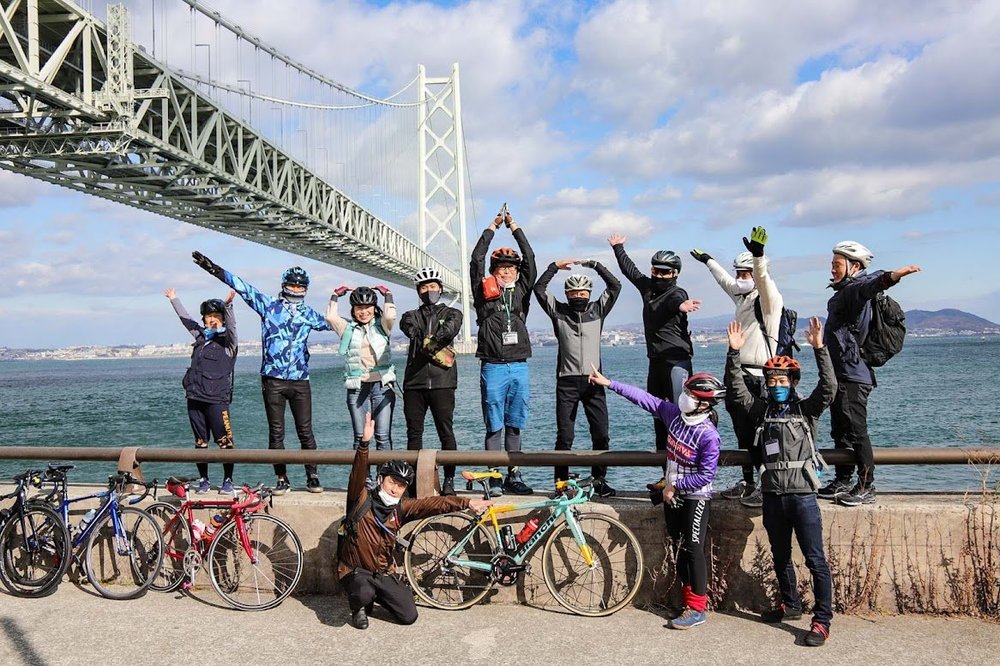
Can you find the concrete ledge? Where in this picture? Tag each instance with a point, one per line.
(907, 553)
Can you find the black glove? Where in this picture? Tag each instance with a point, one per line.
(758, 239)
(589, 263)
(703, 257)
(207, 264)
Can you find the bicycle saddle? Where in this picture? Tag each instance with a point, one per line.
(478, 476)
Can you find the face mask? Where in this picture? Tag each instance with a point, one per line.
(210, 333)
(779, 393)
(579, 304)
(292, 298)
(660, 284)
(744, 286)
(430, 297)
(686, 403)
(387, 499)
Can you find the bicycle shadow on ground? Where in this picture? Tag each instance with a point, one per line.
(26, 650)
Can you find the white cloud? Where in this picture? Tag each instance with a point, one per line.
(667, 194)
(620, 222)
(579, 197)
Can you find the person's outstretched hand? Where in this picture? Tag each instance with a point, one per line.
(690, 305)
(230, 296)
(597, 378)
(206, 264)
(814, 334)
(341, 290)
(616, 239)
(758, 239)
(170, 293)
(369, 430)
(564, 264)
(701, 256)
(381, 288)
(736, 335)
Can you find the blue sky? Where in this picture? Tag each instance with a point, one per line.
(679, 124)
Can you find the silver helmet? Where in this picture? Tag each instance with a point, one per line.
(427, 275)
(578, 281)
(854, 251)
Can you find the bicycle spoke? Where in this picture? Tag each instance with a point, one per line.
(435, 580)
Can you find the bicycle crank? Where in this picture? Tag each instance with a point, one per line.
(192, 563)
(506, 569)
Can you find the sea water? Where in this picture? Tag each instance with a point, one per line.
(936, 392)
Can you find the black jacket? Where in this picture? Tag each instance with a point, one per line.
(491, 316)
(440, 323)
(666, 327)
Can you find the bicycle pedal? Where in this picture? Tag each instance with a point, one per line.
(186, 585)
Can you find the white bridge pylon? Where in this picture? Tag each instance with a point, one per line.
(81, 107)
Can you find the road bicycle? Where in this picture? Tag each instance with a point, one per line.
(592, 563)
(34, 542)
(117, 545)
(254, 559)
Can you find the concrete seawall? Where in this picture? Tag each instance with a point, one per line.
(907, 553)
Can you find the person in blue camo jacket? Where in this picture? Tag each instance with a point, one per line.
(285, 325)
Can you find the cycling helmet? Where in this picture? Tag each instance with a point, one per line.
(504, 255)
(213, 305)
(704, 386)
(854, 251)
(743, 262)
(296, 276)
(666, 260)
(577, 281)
(363, 296)
(783, 365)
(399, 470)
(427, 275)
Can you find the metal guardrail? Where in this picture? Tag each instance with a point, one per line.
(426, 460)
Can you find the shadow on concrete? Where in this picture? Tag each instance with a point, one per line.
(25, 649)
(331, 610)
(797, 632)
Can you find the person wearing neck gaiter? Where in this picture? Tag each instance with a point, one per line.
(665, 307)
(431, 375)
(578, 322)
(692, 461)
(285, 325)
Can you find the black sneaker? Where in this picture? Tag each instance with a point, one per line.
(313, 484)
(359, 619)
(858, 496)
(514, 484)
(817, 635)
(448, 487)
(833, 489)
(780, 614)
(602, 489)
(282, 486)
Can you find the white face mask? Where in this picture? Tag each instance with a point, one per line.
(686, 403)
(387, 499)
(744, 286)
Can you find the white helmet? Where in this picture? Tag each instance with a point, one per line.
(427, 275)
(854, 251)
(743, 262)
(578, 281)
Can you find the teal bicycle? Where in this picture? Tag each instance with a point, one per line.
(592, 563)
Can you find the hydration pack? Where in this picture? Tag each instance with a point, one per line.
(886, 331)
(785, 344)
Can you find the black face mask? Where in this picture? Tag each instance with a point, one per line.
(579, 304)
(661, 284)
(430, 297)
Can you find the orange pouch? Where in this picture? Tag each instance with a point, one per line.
(491, 290)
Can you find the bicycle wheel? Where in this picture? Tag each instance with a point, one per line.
(34, 552)
(606, 585)
(122, 564)
(176, 542)
(444, 585)
(262, 578)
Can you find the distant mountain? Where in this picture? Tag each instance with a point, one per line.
(948, 321)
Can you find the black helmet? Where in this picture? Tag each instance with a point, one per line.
(363, 296)
(399, 470)
(213, 305)
(296, 276)
(666, 260)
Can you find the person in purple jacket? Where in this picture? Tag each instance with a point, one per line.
(692, 460)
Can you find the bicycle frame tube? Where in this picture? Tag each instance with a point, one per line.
(81, 537)
(241, 529)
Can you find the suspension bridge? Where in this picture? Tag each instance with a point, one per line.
(173, 108)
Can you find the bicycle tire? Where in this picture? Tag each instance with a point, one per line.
(446, 586)
(617, 556)
(249, 585)
(177, 540)
(124, 575)
(34, 552)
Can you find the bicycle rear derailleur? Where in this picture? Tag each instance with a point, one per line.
(506, 569)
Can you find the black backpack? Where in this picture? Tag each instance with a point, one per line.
(785, 343)
(886, 331)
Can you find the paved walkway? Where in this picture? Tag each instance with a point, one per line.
(75, 627)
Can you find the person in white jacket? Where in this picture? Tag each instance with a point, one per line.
(757, 302)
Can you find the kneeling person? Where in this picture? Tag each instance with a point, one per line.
(369, 533)
(786, 435)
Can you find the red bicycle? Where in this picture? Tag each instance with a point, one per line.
(254, 559)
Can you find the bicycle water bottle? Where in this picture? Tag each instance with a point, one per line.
(197, 529)
(527, 531)
(87, 517)
(213, 527)
(507, 538)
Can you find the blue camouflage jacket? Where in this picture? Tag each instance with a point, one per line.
(284, 330)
